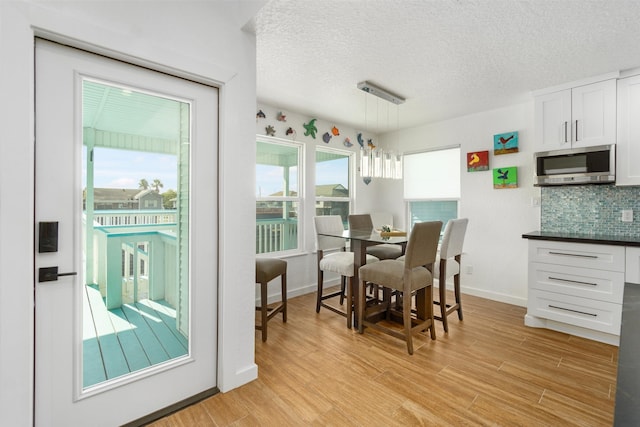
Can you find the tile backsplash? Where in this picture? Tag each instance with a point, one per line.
(590, 209)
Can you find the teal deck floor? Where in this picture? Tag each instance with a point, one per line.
(128, 339)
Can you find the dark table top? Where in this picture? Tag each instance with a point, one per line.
(601, 239)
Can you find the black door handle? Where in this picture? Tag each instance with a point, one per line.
(50, 274)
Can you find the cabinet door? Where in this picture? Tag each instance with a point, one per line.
(628, 148)
(593, 114)
(553, 121)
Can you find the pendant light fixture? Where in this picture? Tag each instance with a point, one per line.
(376, 162)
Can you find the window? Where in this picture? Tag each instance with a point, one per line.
(432, 185)
(333, 182)
(278, 195)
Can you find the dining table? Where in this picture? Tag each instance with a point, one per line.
(359, 240)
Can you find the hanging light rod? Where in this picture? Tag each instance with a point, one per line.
(380, 93)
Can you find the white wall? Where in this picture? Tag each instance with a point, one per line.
(198, 39)
(497, 218)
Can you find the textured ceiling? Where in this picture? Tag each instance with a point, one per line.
(448, 58)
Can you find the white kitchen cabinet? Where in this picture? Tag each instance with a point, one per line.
(628, 135)
(582, 116)
(576, 288)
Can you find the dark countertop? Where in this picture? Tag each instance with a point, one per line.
(600, 239)
(628, 384)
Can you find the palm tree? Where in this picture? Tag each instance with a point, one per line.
(157, 185)
(143, 184)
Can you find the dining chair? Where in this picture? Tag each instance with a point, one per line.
(268, 269)
(382, 251)
(448, 265)
(333, 257)
(410, 276)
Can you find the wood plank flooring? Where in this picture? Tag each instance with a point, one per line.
(133, 337)
(490, 370)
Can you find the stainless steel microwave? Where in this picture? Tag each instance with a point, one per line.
(585, 165)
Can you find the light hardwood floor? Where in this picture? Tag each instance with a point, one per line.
(489, 370)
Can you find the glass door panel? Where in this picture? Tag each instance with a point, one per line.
(135, 202)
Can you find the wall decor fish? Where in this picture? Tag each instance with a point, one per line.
(310, 128)
(370, 144)
(260, 115)
(360, 140)
(281, 117)
(347, 142)
(326, 137)
(335, 131)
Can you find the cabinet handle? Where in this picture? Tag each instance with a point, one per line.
(573, 311)
(565, 131)
(572, 281)
(576, 131)
(573, 255)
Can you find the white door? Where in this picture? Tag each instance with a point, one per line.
(126, 209)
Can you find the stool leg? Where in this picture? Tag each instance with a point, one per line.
(284, 297)
(456, 285)
(263, 309)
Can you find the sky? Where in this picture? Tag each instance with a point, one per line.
(124, 169)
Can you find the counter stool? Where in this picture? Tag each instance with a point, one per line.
(268, 269)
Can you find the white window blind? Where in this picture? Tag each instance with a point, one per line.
(432, 174)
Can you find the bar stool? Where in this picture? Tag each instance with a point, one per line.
(268, 269)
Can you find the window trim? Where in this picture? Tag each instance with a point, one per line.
(351, 179)
(299, 199)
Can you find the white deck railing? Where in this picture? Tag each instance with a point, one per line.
(274, 235)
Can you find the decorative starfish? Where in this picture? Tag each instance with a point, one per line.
(310, 128)
(270, 130)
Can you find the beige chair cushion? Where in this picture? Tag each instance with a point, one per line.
(341, 263)
(390, 273)
(453, 268)
(385, 251)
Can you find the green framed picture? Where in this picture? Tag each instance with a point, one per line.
(505, 177)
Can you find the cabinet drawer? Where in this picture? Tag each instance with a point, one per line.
(601, 257)
(600, 285)
(586, 313)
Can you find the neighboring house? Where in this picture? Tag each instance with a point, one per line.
(330, 207)
(125, 199)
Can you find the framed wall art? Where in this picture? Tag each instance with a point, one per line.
(478, 161)
(505, 177)
(505, 143)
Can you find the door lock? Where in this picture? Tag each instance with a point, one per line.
(50, 274)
